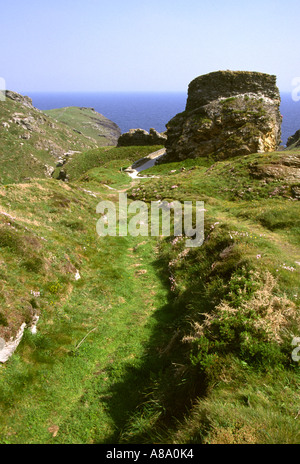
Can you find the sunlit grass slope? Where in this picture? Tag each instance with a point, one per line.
(154, 343)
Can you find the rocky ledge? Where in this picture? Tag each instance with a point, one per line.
(24, 100)
(228, 113)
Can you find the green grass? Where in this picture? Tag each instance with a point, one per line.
(81, 165)
(245, 407)
(257, 231)
(126, 354)
(88, 122)
(26, 153)
(85, 389)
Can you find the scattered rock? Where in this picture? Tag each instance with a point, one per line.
(33, 327)
(296, 192)
(48, 170)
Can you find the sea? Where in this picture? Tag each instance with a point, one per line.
(133, 110)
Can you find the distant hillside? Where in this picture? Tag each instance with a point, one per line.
(31, 142)
(88, 122)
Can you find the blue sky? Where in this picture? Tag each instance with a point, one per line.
(131, 45)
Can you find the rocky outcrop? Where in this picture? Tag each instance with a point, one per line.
(140, 137)
(294, 140)
(227, 114)
(23, 100)
(286, 168)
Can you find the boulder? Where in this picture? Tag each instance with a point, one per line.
(227, 114)
(141, 137)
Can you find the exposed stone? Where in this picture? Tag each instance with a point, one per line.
(141, 137)
(227, 114)
(294, 140)
(8, 348)
(286, 168)
(296, 192)
(25, 101)
(49, 170)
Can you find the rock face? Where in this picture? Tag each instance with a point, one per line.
(294, 140)
(25, 101)
(141, 137)
(227, 114)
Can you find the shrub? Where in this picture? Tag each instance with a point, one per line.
(258, 328)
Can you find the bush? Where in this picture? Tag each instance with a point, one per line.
(257, 328)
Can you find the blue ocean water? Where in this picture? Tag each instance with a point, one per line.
(132, 110)
(290, 111)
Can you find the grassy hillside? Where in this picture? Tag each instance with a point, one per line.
(32, 142)
(105, 165)
(88, 122)
(237, 305)
(154, 343)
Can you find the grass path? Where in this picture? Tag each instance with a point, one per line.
(82, 376)
(86, 397)
(97, 350)
(280, 240)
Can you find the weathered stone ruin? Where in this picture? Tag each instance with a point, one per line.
(227, 114)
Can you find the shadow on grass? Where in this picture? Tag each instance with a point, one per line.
(159, 386)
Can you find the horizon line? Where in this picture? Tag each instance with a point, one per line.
(99, 91)
(23, 92)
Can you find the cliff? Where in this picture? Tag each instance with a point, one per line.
(227, 114)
